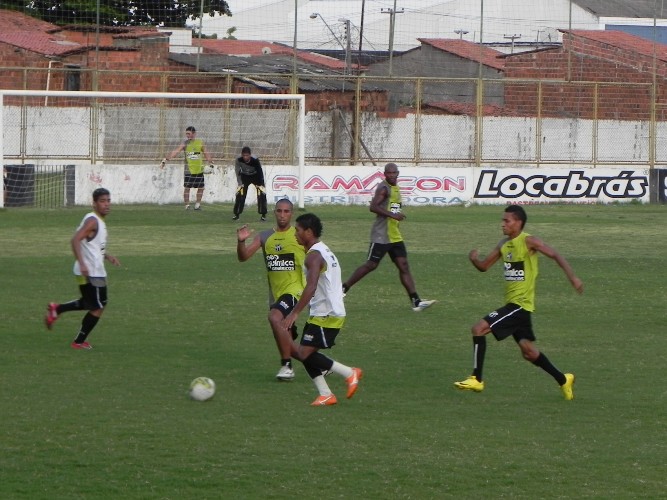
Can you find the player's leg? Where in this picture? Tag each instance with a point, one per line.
(262, 208)
(94, 299)
(284, 338)
(317, 337)
(375, 253)
(531, 353)
(199, 184)
(239, 201)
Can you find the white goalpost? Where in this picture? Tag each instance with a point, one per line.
(57, 145)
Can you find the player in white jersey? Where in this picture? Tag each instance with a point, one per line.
(324, 294)
(89, 247)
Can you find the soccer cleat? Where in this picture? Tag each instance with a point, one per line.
(328, 400)
(263, 218)
(187, 207)
(236, 217)
(470, 384)
(285, 373)
(423, 304)
(353, 381)
(82, 345)
(567, 387)
(51, 315)
(197, 206)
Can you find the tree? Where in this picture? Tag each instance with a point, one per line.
(169, 13)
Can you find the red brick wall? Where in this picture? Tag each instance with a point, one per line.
(622, 80)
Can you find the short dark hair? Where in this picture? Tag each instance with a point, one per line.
(312, 222)
(100, 192)
(518, 212)
(285, 200)
(191, 129)
(246, 149)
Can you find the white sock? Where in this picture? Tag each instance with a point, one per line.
(342, 370)
(322, 386)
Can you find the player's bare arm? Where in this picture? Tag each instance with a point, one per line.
(377, 204)
(112, 259)
(484, 264)
(537, 245)
(243, 251)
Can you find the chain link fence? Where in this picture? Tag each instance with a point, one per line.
(413, 121)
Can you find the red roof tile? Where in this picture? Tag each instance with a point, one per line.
(41, 43)
(12, 21)
(467, 50)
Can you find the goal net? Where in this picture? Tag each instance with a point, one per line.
(56, 147)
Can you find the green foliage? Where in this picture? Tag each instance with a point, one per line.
(115, 422)
(119, 12)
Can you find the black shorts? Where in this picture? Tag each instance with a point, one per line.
(193, 180)
(93, 297)
(511, 319)
(285, 304)
(318, 336)
(378, 250)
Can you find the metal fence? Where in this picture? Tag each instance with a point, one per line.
(415, 121)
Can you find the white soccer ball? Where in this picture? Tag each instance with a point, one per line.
(202, 389)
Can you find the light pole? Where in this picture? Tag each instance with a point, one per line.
(392, 25)
(461, 33)
(315, 15)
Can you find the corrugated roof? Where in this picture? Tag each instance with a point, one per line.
(269, 71)
(623, 8)
(250, 48)
(467, 50)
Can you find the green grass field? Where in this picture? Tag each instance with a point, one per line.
(115, 422)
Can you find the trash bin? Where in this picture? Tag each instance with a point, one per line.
(20, 185)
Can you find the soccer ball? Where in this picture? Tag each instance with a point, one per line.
(202, 389)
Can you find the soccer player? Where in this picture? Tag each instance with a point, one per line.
(193, 176)
(249, 171)
(519, 251)
(324, 294)
(89, 245)
(283, 258)
(386, 238)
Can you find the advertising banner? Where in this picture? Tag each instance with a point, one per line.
(543, 185)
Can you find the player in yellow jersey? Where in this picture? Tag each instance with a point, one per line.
(518, 250)
(193, 176)
(386, 238)
(284, 259)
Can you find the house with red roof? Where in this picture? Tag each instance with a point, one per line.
(63, 53)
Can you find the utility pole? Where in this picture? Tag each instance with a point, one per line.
(348, 54)
(392, 27)
(512, 37)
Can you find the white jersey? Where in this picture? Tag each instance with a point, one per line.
(93, 251)
(328, 298)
